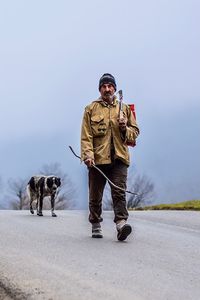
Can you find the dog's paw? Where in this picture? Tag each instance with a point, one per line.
(40, 214)
(54, 215)
(32, 211)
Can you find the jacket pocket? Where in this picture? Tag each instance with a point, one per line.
(98, 125)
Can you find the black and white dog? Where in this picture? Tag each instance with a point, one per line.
(40, 186)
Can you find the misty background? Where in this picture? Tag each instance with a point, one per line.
(52, 55)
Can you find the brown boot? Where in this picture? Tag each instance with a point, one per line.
(123, 230)
(96, 230)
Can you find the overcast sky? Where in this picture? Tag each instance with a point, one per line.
(52, 55)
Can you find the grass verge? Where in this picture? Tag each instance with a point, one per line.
(187, 205)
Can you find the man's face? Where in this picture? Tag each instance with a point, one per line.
(107, 91)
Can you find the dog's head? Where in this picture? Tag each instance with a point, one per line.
(53, 182)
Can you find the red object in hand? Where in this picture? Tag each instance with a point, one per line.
(132, 107)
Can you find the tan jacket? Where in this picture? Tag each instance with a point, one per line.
(100, 131)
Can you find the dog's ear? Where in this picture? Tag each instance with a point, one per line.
(58, 181)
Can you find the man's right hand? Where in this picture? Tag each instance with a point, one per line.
(89, 162)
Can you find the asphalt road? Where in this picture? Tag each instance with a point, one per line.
(55, 258)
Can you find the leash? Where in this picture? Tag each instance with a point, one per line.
(93, 166)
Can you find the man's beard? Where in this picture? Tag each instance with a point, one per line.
(107, 96)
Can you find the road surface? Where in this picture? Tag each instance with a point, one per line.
(56, 258)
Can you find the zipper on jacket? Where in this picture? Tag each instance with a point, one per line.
(112, 147)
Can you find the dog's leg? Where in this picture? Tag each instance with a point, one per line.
(53, 205)
(40, 196)
(31, 206)
(40, 205)
(37, 208)
(30, 196)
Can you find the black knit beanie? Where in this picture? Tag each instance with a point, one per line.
(107, 78)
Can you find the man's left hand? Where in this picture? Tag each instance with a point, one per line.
(122, 124)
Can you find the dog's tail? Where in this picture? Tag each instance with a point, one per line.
(28, 191)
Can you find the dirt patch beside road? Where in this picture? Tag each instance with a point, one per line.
(10, 292)
(4, 295)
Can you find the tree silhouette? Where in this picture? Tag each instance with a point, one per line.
(143, 187)
(17, 190)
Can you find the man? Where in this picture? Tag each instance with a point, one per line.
(104, 139)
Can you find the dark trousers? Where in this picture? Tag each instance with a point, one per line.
(117, 173)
